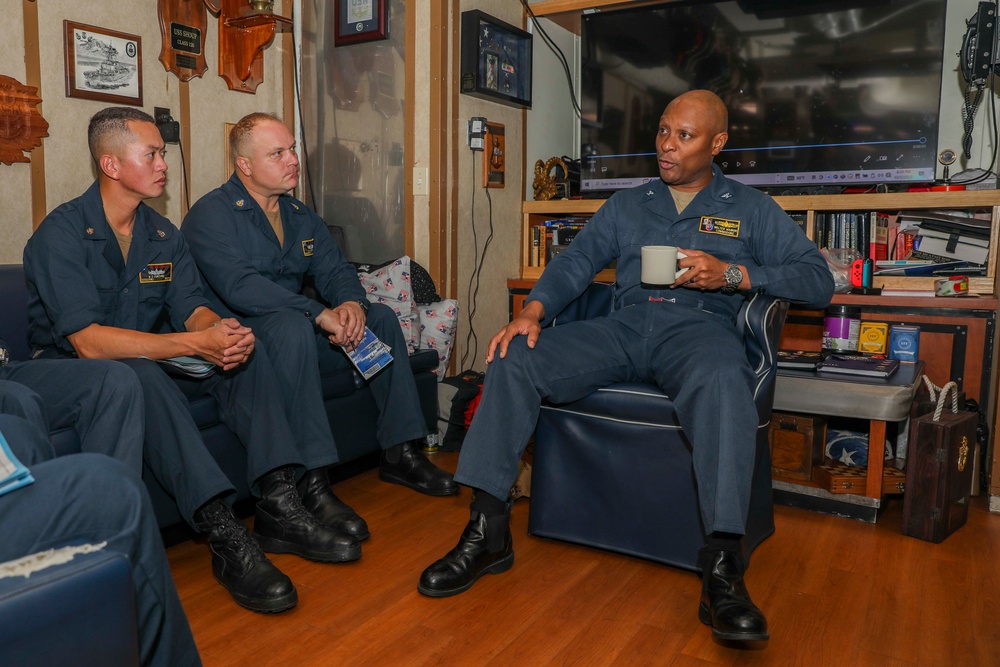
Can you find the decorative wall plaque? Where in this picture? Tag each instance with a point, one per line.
(182, 31)
(21, 126)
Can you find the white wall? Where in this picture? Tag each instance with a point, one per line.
(552, 129)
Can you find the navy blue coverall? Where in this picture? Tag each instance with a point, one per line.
(685, 341)
(77, 277)
(248, 273)
(89, 499)
(100, 399)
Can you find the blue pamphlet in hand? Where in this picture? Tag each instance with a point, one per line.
(13, 473)
(194, 367)
(370, 356)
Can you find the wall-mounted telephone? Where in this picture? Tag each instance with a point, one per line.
(979, 57)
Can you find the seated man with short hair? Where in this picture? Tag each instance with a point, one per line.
(105, 274)
(254, 244)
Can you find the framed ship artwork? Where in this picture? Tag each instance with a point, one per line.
(103, 65)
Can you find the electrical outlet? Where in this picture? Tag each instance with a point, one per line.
(477, 133)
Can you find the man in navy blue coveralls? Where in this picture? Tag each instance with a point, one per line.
(254, 244)
(105, 274)
(683, 339)
(92, 499)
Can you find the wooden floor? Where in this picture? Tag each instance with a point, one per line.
(835, 591)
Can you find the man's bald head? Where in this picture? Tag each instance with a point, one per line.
(710, 107)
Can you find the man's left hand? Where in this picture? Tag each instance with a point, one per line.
(348, 325)
(705, 272)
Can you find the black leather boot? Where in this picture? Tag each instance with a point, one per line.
(319, 500)
(486, 547)
(725, 601)
(239, 564)
(283, 525)
(405, 464)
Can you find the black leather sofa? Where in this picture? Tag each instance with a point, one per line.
(350, 406)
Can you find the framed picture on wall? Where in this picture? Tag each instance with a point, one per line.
(496, 60)
(360, 21)
(102, 64)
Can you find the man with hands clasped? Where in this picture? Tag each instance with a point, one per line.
(255, 244)
(109, 278)
(682, 338)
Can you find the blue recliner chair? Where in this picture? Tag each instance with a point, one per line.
(612, 465)
(81, 612)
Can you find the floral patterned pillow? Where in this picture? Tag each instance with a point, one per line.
(391, 285)
(438, 322)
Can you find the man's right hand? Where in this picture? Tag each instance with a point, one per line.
(525, 324)
(228, 344)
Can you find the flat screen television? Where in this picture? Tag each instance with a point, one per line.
(840, 93)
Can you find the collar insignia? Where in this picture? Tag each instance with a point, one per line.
(295, 206)
(162, 234)
(727, 195)
(650, 193)
(240, 202)
(90, 230)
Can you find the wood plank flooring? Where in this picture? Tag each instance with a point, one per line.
(835, 591)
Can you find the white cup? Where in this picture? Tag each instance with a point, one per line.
(659, 264)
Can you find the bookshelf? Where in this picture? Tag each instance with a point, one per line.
(537, 212)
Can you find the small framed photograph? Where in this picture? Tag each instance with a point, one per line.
(102, 64)
(359, 21)
(495, 60)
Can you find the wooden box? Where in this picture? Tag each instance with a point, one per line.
(797, 443)
(939, 474)
(837, 477)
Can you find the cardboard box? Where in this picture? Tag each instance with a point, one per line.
(797, 443)
(837, 477)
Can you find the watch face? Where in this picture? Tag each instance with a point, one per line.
(733, 277)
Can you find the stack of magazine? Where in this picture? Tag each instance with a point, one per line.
(858, 364)
(846, 364)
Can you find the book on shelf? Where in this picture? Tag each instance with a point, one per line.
(908, 292)
(857, 364)
(923, 267)
(879, 237)
(536, 233)
(800, 359)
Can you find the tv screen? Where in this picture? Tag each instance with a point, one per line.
(839, 93)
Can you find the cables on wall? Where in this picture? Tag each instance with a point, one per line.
(471, 339)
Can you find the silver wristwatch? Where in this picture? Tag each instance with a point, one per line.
(734, 276)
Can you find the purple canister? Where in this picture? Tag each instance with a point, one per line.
(841, 326)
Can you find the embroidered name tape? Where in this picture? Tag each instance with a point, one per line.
(720, 226)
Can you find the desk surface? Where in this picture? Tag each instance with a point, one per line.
(844, 396)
